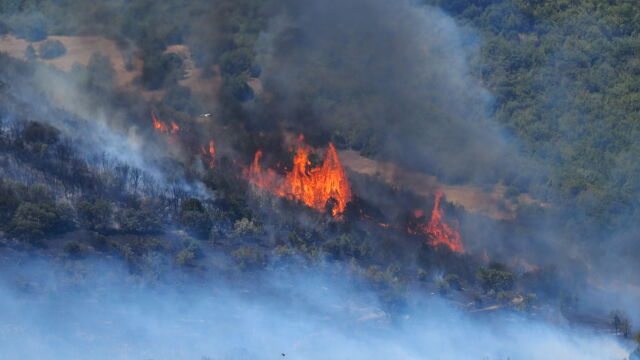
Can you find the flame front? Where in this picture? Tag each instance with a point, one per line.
(437, 231)
(319, 188)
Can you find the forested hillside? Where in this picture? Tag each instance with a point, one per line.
(564, 75)
(566, 82)
(199, 144)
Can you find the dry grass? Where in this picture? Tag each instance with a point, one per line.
(81, 48)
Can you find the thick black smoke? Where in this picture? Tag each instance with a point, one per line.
(388, 78)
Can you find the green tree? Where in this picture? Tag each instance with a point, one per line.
(495, 280)
(161, 69)
(95, 215)
(52, 49)
(34, 221)
(30, 53)
(140, 221)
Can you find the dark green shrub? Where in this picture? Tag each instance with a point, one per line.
(191, 252)
(140, 221)
(73, 249)
(35, 132)
(160, 69)
(95, 215)
(236, 62)
(495, 280)
(194, 217)
(248, 258)
(37, 220)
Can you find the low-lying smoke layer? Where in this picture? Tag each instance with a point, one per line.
(311, 315)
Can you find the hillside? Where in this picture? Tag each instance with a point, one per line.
(312, 177)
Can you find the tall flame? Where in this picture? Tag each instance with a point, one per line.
(210, 154)
(315, 187)
(436, 230)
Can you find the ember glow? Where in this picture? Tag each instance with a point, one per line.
(174, 128)
(321, 187)
(436, 230)
(210, 154)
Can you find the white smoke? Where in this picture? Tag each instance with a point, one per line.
(51, 312)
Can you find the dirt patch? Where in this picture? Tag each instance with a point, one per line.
(491, 203)
(81, 48)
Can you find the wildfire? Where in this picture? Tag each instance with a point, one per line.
(210, 154)
(315, 187)
(174, 128)
(437, 231)
(157, 124)
(162, 126)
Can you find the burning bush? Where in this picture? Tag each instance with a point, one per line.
(323, 188)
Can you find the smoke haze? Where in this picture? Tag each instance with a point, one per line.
(50, 313)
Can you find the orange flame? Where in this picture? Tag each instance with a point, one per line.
(174, 128)
(162, 126)
(437, 231)
(157, 124)
(315, 187)
(440, 231)
(210, 154)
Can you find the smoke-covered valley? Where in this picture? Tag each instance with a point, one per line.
(322, 179)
